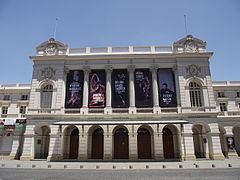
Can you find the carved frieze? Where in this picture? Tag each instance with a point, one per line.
(47, 73)
(194, 71)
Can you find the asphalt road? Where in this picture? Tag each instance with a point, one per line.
(59, 174)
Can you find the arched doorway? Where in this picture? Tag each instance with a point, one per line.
(144, 144)
(74, 143)
(42, 139)
(200, 140)
(97, 144)
(168, 145)
(236, 134)
(121, 149)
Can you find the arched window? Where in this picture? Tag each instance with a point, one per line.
(46, 96)
(195, 91)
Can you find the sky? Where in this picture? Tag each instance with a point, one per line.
(24, 24)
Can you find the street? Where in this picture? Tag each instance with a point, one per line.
(164, 174)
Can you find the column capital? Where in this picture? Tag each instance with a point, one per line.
(109, 68)
(174, 68)
(86, 68)
(66, 70)
(153, 67)
(131, 67)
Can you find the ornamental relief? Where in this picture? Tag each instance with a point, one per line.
(47, 73)
(51, 49)
(194, 71)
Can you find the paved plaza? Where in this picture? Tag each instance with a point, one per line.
(184, 174)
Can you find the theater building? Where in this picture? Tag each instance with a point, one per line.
(120, 103)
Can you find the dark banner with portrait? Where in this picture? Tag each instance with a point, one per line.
(97, 89)
(166, 86)
(74, 89)
(120, 92)
(143, 88)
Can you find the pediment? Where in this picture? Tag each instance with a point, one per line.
(51, 47)
(189, 44)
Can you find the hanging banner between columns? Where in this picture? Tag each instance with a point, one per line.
(166, 86)
(120, 90)
(97, 89)
(143, 88)
(74, 89)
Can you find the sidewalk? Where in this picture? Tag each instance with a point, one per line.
(201, 164)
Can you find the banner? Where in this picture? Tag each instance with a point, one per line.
(166, 88)
(74, 89)
(97, 90)
(230, 143)
(120, 92)
(143, 88)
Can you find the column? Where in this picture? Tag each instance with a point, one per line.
(215, 150)
(132, 137)
(187, 143)
(83, 143)
(175, 70)
(29, 144)
(54, 152)
(108, 109)
(16, 145)
(107, 143)
(156, 108)
(158, 143)
(84, 109)
(132, 108)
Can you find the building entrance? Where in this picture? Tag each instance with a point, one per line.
(97, 144)
(121, 150)
(144, 144)
(74, 142)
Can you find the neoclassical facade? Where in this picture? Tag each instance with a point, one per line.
(121, 104)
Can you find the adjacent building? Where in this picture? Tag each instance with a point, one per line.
(121, 103)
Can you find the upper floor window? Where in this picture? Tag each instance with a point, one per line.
(6, 97)
(4, 110)
(195, 91)
(24, 97)
(221, 94)
(22, 109)
(46, 96)
(223, 107)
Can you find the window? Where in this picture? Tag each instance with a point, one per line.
(223, 107)
(221, 94)
(6, 97)
(195, 92)
(238, 93)
(22, 109)
(4, 110)
(24, 97)
(46, 96)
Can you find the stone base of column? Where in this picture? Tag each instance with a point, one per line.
(6, 157)
(132, 110)
(107, 157)
(82, 157)
(133, 157)
(188, 157)
(156, 110)
(84, 110)
(158, 157)
(218, 156)
(12, 156)
(26, 157)
(108, 110)
(232, 155)
(54, 157)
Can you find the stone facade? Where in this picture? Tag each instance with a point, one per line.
(196, 124)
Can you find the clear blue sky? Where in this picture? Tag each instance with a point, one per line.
(24, 24)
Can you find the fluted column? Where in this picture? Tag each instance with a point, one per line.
(132, 108)
(84, 109)
(108, 109)
(177, 85)
(156, 108)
